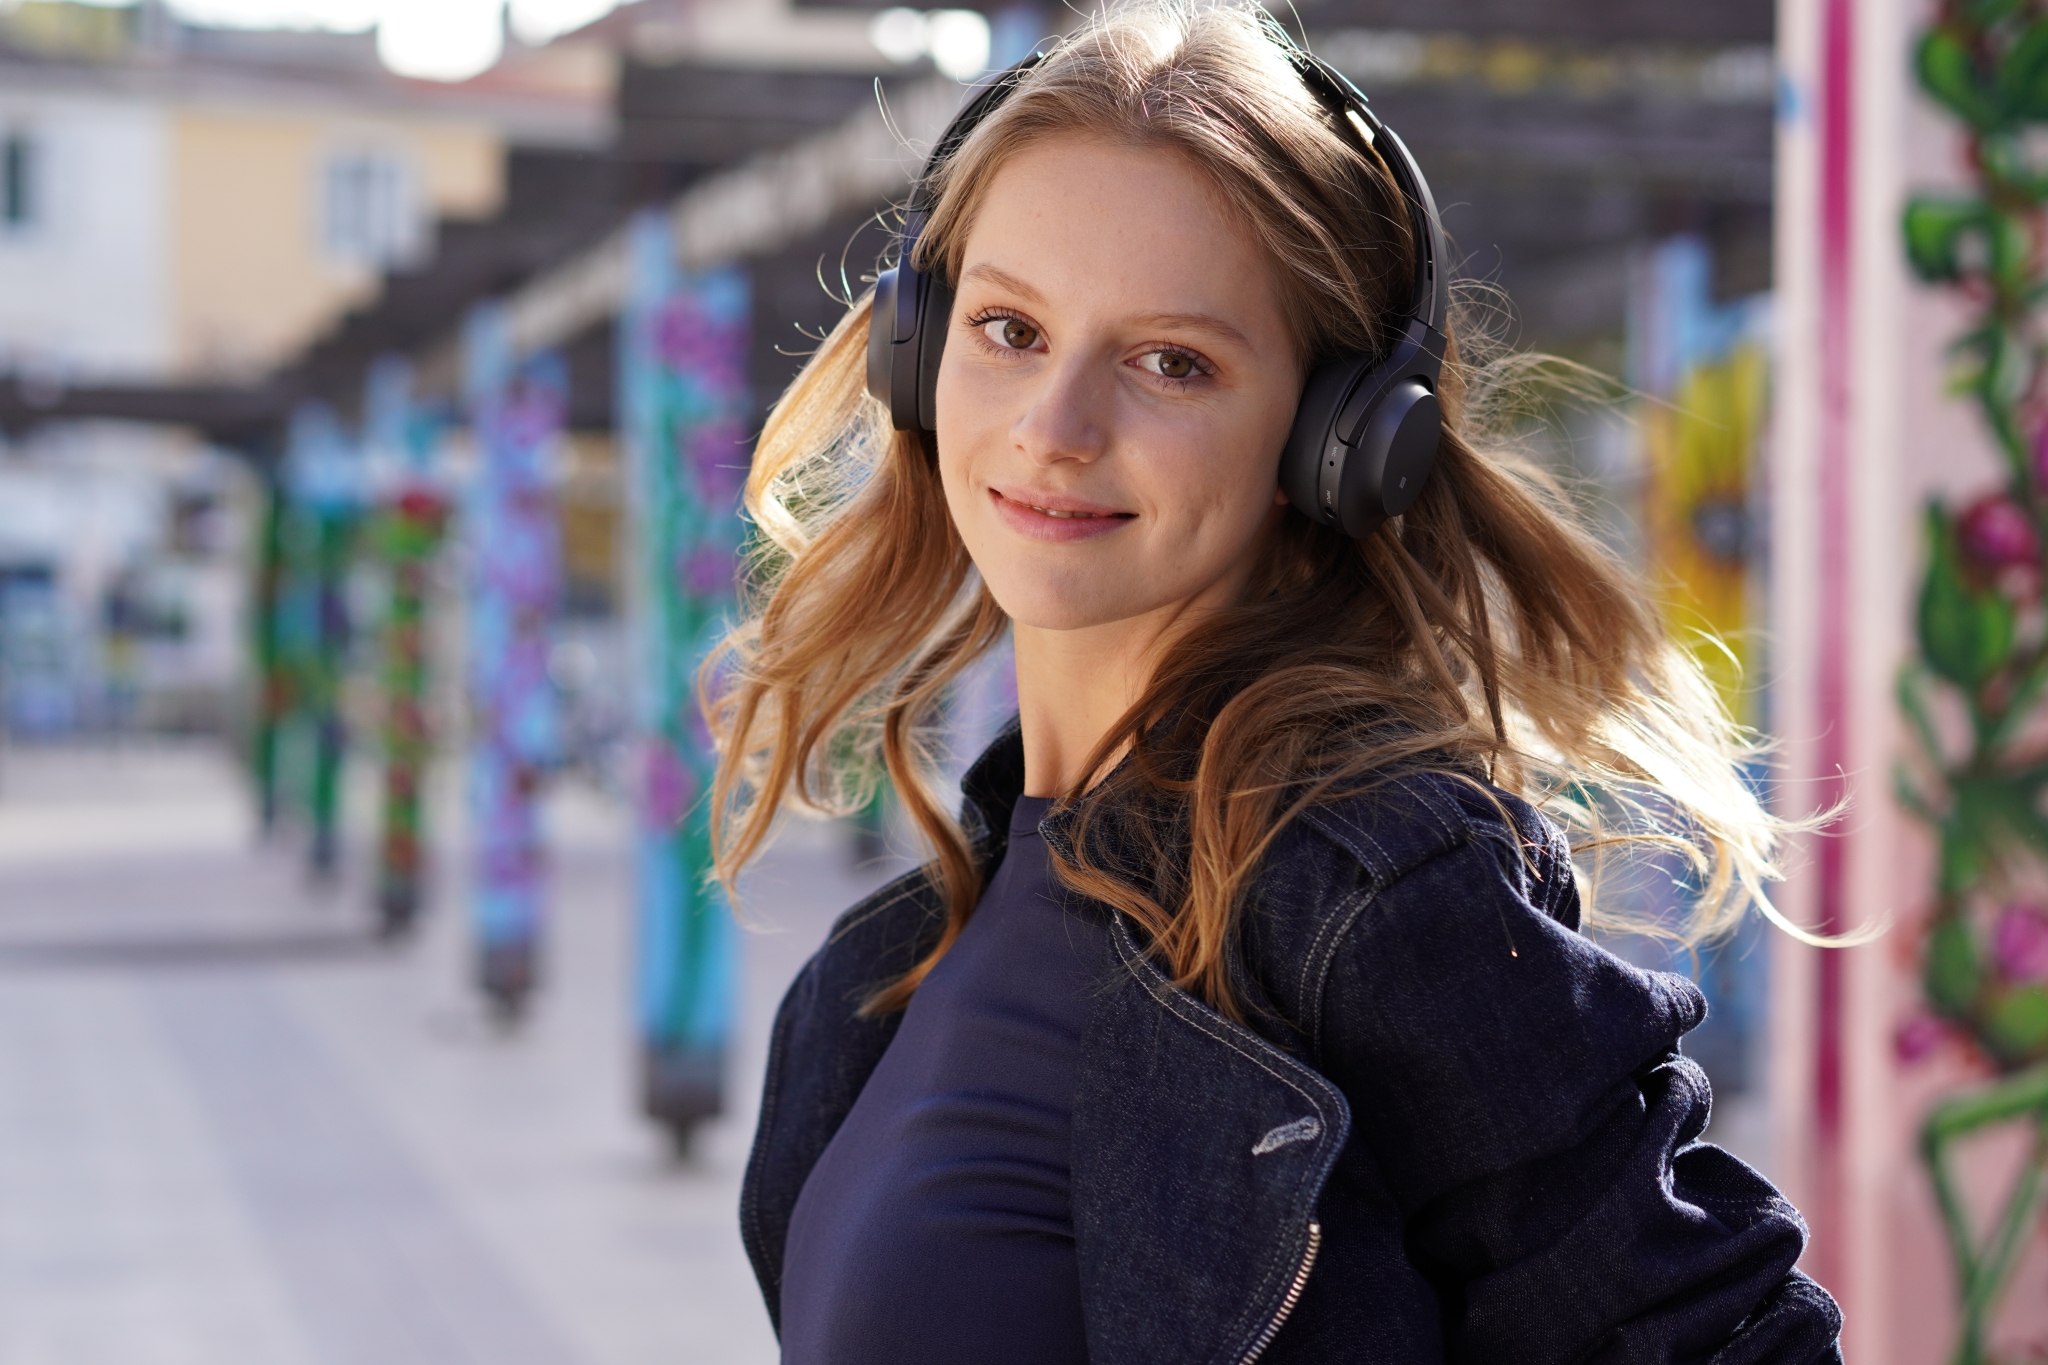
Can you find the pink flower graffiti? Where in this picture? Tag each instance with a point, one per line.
(2019, 944)
(1996, 534)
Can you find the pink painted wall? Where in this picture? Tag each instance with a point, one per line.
(1848, 478)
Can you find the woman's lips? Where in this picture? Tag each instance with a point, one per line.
(1044, 516)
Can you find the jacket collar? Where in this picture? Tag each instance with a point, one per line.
(989, 792)
(991, 785)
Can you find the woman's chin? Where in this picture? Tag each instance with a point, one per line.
(1058, 611)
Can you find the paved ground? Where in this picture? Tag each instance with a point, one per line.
(236, 1131)
(233, 1129)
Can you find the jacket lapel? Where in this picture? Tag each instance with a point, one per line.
(1200, 1152)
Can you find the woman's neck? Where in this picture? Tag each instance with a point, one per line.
(1073, 685)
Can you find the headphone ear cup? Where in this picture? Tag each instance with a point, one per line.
(895, 330)
(934, 320)
(1356, 485)
(1314, 448)
(1396, 450)
(881, 326)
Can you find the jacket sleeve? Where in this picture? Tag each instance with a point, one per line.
(1524, 1094)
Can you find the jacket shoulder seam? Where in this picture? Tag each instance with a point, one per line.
(1316, 962)
(1445, 830)
(1452, 828)
(1325, 956)
(1361, 841)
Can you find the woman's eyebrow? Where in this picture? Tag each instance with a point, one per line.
(1002, 279)
(1195, 322)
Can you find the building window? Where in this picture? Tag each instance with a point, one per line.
(18, 207)
(371, 214)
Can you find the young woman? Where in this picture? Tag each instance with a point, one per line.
(1243, 1013)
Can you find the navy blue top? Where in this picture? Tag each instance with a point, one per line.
(937, 1227)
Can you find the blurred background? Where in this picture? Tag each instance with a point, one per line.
(376, 377)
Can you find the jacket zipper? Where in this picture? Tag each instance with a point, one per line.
(1308, 1260)
(1148, 972)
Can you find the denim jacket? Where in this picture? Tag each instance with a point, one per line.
(1456, 1130)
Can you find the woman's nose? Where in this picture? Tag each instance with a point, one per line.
(1066, 416)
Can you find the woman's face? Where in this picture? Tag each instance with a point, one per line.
(1115, 390)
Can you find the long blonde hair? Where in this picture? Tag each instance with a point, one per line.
(1485, 633)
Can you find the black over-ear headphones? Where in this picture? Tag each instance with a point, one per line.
(1366, 432)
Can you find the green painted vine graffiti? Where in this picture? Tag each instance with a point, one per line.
(1982, 635)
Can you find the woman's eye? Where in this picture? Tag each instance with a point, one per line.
(1012, 333)
(1171, 364)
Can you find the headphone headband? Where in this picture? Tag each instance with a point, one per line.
(979, 104)
(1431, 300)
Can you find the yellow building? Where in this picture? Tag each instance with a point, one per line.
(184, 204)
(277, 220)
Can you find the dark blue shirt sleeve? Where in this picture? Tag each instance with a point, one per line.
(1523, 1093)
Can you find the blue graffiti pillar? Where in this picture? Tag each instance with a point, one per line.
(516, 417)
(683, 402)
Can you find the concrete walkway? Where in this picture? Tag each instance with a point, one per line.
(235, 1130)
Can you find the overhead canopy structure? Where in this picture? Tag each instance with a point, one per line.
(698, 139)
(1581, 21)
(239, 416)
(1556, 136)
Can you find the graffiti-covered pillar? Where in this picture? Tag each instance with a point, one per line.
(683, 404)
(1911, 425)
(516, 416)
(273, 680)
(323, 478)
(406, 531)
